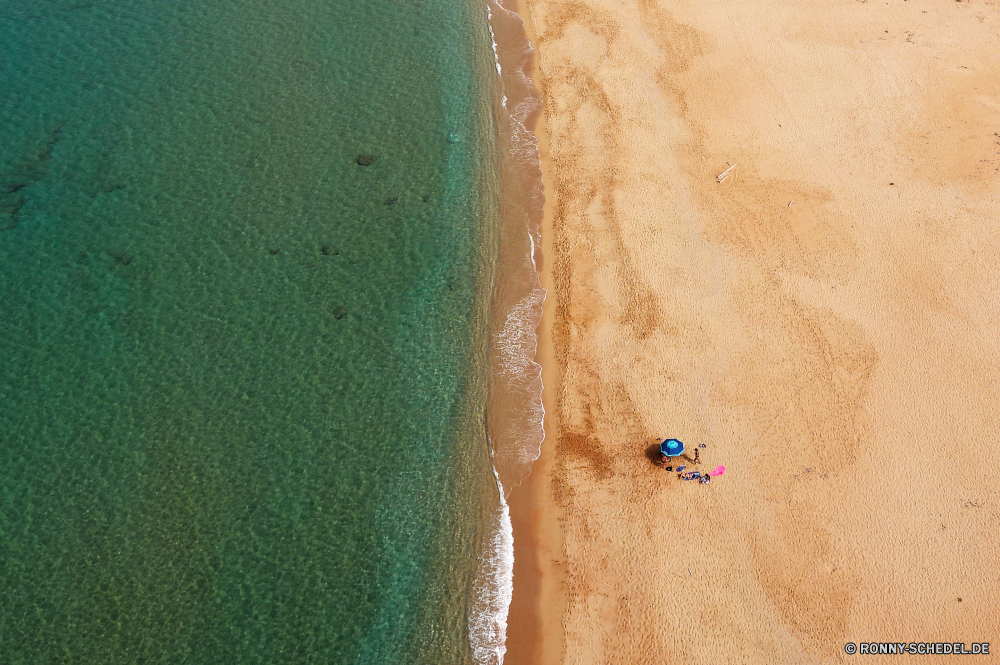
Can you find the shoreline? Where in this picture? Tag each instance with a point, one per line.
(534, 623)
(518, 411)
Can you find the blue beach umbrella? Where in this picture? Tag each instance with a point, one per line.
(672, 448)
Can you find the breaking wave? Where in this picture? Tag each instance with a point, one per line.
(493, 589)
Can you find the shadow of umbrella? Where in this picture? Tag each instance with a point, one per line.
(653, 454)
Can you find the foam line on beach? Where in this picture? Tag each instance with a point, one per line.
(515, 414)
(493, 588)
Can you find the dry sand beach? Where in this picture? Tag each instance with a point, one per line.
(825, 320)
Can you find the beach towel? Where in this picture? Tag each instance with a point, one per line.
(718, 471)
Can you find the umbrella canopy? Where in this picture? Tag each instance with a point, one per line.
(672, 448)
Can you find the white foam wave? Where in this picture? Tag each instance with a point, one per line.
(518, 340)
(534, 266)
(493, 588)
(493, 40)
(517, 343)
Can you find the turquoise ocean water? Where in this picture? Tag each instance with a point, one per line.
(241, 374)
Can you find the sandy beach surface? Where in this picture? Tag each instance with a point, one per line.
(825, 321)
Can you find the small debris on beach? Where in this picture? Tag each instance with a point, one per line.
(725, 174)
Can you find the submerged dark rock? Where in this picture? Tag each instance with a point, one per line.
(391, 200)
(10, 210)
(339, 312)
(366, 160)
(274, 250)
(123, 258)
(330, 250)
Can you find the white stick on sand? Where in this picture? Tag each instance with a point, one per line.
(725, 174)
